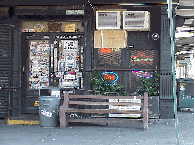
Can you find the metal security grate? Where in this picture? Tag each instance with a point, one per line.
(109, 58)
(5, 50)
(166, 86)
(142, 57)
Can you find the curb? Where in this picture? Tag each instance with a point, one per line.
(29, 122)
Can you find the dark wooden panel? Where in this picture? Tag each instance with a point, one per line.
(166, 87)
(165, 51)
(166, 109)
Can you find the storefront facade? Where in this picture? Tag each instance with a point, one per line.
(61, 45)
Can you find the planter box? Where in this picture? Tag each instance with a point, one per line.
(155, 107)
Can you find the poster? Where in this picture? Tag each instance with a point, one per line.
(70, 59)
(39, 64)
(70, 28)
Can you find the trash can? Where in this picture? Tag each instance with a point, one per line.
(49, 103)
(185, 93)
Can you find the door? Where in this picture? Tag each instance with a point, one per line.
(35, 70)
(49, 61)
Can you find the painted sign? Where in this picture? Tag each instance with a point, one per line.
(141, 74)
(141, 58)
(36, 103)
(122, 107)
(110, 77)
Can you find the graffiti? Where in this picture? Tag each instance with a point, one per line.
(49, 114)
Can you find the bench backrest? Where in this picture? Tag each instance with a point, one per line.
(145, 104)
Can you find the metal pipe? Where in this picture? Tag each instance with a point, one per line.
(170, 15)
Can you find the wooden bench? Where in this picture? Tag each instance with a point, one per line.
(65, 109)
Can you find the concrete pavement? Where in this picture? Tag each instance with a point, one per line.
(162, 133)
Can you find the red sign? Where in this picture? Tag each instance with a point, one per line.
(105, 50)
(110, 77)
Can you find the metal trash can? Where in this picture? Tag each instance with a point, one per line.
(185, 93)
(49, 103)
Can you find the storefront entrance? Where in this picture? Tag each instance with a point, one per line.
(49, 60)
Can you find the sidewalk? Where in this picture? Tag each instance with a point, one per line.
(158, 133)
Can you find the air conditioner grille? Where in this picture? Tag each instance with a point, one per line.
(136, 20)
(131, 15)
(138, 23)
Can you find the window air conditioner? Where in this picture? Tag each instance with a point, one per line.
(108, 20)
(136, 20)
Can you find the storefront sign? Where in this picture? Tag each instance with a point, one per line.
(70, 28)
(141, 74)
(74, 12)
(110, 77)
(141, 58)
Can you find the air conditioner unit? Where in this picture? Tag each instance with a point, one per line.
(108, 20)
(136, 20)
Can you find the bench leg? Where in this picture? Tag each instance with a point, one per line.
(63, 121)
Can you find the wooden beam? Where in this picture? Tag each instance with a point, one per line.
(106, 111)
(105, 103)
(145, 111)
(105, 97)
(105, 120)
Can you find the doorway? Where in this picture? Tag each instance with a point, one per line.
(48, 60)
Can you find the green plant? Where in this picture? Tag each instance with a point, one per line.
(99, 85)
(150, 85)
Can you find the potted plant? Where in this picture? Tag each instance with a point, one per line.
(151, 85)
(102, 86)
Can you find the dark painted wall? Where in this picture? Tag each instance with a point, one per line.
(141, 40)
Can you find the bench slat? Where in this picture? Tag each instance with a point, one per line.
(105, 97)
(106, 111)
(105, 103)
(105, 120)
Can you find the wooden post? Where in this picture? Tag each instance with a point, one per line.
(145, 111)
(63, 114)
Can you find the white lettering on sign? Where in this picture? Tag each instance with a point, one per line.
(49, 114)
(74, 12)
(56, 93)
